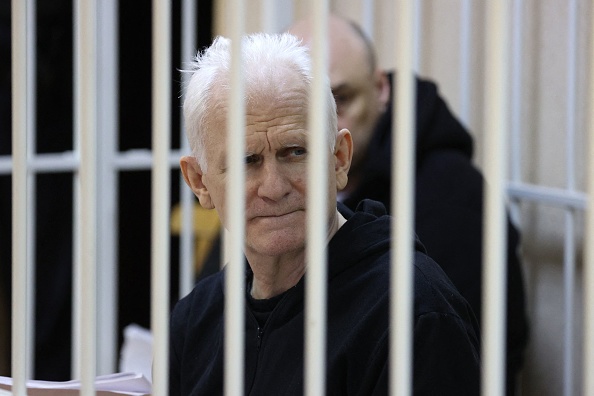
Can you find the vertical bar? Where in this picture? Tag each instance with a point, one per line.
(465, 58)
(316, 285)
(494, 279)
(235, 282)
(569, 243)
(588, 379)
(31, 180)
(186, 264)
(367, 21)
(401, 289)
(160, 193)
(107, 100)
(516, 104)
(269, 15)
(20, 262)
(86, 265)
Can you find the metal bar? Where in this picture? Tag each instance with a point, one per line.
(317, 184)
(403, 143)
(269, 15)
(138, 159)
(588, 357)
(20, 263)
(160, 193)
(142, 159)
(107, 97)
(86, 113)
(494, 280)
(186, 246)
(235, 282)
(569, 242)
(367, 20)
(466, 35)
(31, 179)
(547, 195)
(516, 104)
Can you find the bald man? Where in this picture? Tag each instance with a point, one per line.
(449, 189)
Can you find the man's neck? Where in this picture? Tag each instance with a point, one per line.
(275, 275)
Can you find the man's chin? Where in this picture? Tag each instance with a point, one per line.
(276, 247)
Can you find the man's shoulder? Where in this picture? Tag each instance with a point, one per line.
(206, 295)
(435, 292)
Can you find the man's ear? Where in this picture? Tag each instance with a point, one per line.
(193, 176)
(343, 154)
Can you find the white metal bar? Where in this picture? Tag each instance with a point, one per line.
(516, 93)
(235, 282)
(317, 182)
(569, 242)
(367, 20)
(31, 179)
(547, 195)
(186, 246)
(160, 193)
(141, 159)
(494, 269)
(588, 357)
(516, 104)
(269, 15)
(5, 165)
(403, 142)
(107, 100)
(20, 263)
(466, 35)
(137, 159)
(86, 113)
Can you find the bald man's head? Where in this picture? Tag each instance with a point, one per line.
(360, 88)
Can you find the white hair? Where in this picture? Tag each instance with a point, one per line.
(266, 58)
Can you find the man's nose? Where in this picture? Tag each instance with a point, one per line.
(274, 184)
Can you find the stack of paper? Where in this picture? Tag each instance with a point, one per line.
(105, 385)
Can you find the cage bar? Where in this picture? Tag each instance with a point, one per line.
(403, 143)
(160, 193)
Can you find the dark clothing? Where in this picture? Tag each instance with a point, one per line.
(448, 208)
(446, 345)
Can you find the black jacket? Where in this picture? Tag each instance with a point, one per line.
(446, 344)
(448, 207)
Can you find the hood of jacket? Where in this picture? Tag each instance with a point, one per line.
(436, 129)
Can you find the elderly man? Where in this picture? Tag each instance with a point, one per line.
(278, 78)
(449, 189)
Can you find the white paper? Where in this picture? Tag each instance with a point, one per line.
(111, 384)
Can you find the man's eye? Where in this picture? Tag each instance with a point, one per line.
(298, 151)
(340, 99)
(342, 102)
(251, 159)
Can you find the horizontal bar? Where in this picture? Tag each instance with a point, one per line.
(547, 195)
(143, 159)
(68, 162)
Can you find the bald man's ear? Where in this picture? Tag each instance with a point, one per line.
(343, 154)
(193, 176)
(382, 87)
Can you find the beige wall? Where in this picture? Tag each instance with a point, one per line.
(543, 124)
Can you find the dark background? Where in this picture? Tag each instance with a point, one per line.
(53, 237)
